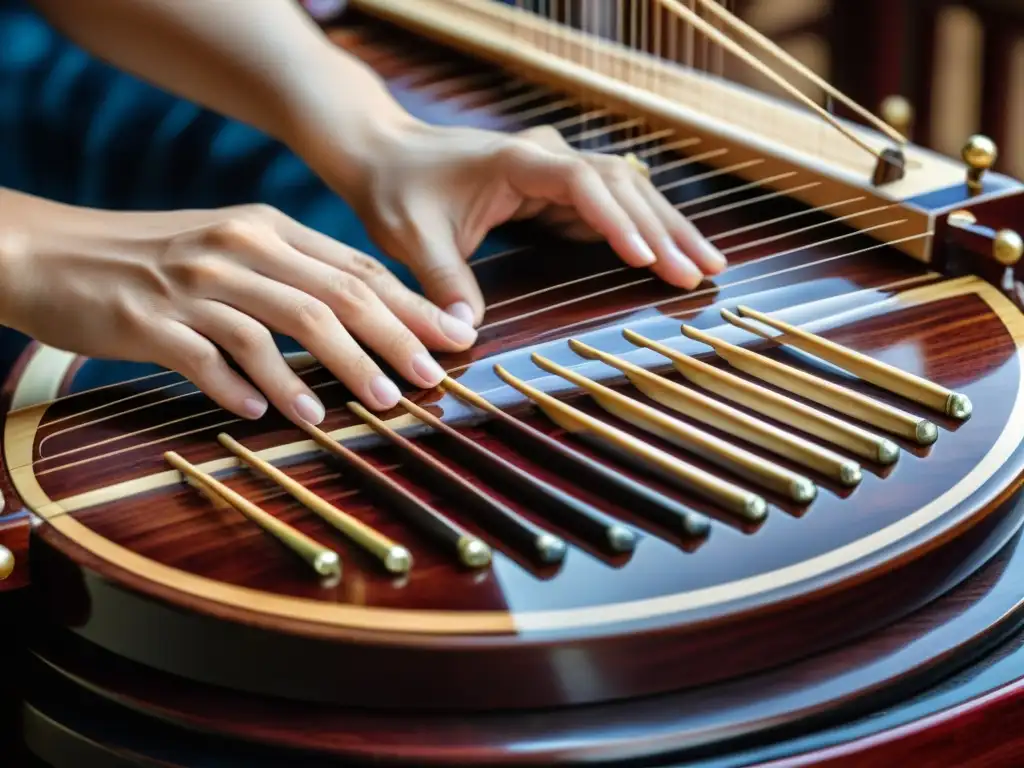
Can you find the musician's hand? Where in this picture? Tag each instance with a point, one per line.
(433, 195)
(176, 288)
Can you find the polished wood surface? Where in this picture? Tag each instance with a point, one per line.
(163, 551)
(711, 726)
(141, 584)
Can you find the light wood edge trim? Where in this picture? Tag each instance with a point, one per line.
(540, 621)
(300, 609)
(26, 422)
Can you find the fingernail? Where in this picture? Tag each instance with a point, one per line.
(385, 392)
(462, 311)
(455, 329)
(692, 275)
(427, 369)
(647, 256)
(714, 256)
(254, 408)
(309, 409)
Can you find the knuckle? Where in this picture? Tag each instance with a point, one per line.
(243, 229)
(365, 267)
(518, 152)
(197, 360)
(228, 235)
(248, 339)
(262, 212)
(616, 170)
(310, 316)
(196, 273)
(545, 135)
(349, 294)
(129, 315)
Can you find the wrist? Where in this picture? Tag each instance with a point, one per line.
(345, 133)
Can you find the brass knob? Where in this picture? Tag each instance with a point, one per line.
(980, 154)
(6, 562)
(1007, 247)
(898, 113)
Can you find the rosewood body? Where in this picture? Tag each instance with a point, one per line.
(179, 617)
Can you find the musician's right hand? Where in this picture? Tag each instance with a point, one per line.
(175, 288)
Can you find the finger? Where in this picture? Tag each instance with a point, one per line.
(569, 180)
(672, 265)
(438, 264)
(179, 348)
(251, 345)
(313, 324)
(435, 328)
(358, 307)
(445, 277)
(352, 301)
(706, 256)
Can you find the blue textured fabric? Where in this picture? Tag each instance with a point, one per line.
(74, 129)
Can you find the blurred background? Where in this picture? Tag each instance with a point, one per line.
(955, 67)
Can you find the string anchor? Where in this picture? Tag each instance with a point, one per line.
(891, 166)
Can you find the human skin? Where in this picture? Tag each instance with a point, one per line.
(175, 288)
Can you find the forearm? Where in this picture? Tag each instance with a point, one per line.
(262, 62)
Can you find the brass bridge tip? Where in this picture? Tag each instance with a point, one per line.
(633, 337)
(621, 538)
(398, 560)
(804, 490)
(926, 433)
(550, 548)
(959, 406)
(888, 451)
(850, 474)
(756, 509)
(327, 564)
(474, 553)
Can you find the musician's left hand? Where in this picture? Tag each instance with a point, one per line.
(429, 196)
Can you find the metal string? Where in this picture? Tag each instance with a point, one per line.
(558, 305)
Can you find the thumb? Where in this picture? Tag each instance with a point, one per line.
(446, 279)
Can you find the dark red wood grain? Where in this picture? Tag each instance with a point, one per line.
(545, 292)
(251, 676)
(673, 729)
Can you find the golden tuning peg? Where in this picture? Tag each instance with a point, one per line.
(1007, 247)
(6, 563)
(898, 112)
(980, 153)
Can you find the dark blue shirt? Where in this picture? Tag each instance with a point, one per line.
(74, 129)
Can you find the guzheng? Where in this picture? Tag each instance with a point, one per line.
(635, 525)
